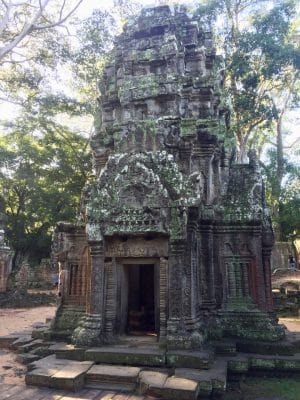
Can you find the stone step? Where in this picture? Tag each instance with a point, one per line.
(58, 374)
(26, 358)
(27, 347)
(238, 365)
(151, 382)
(40, 333)
(211, 382)
(68, 351)
(190, 359)
(70, 377)
(113, 377)
(269, 364)
(224, 347)
(284, 347)
(20, 342)
(287, 364)
(160, 384)
(148, 356)
(7, 341)
(59, 336)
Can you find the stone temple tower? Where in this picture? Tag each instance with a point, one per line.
(174, 237)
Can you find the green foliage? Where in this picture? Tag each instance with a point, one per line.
(42, 174)
(258, 51)
(260, 44)
(285, 208)
(44, 154)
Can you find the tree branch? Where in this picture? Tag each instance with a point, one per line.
(6, 16)
(25, 31)
(60, 21)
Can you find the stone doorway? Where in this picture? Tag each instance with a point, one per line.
(141, 301)
(140, 298)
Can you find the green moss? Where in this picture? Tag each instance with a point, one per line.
(147, 126)
(67, 319)
(175, 224)
(238, 366)
(262, 363)
(188, 127)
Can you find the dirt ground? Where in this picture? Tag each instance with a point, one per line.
(292, 324)
(15, 320)
(22, 319)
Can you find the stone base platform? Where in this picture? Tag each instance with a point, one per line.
(146, 369)
(167, 383)
(143, 355)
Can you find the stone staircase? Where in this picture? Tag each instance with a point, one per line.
(147, 369)
(167, 383)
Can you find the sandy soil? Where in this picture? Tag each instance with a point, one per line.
(22, 319)
(292, 324)
(15, 321)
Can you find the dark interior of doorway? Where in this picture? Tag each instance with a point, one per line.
(141, 308)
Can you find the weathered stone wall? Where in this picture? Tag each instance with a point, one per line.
(5, 254)
(5, 267)
(42, 275)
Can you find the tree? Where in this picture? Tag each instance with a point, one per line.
(255, 38)
(260, 43)
(44, 166)
(44, 158)
(285, 204)
(24, 20)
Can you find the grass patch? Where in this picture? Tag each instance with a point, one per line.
(266, 389)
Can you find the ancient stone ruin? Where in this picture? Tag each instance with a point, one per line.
(174, 238)
(5, 251)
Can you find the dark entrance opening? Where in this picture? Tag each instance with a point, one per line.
(141, 302)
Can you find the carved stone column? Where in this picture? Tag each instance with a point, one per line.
(260, 278)
(176, 260)
(266, 255)
(163, 296)
(207, 266)
(111, 298)
(90, 330)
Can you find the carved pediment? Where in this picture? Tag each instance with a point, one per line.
(133, 191)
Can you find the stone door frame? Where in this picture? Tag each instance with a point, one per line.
(113, 296)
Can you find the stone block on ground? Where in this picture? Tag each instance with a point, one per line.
(210, 381)
(180, 389)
